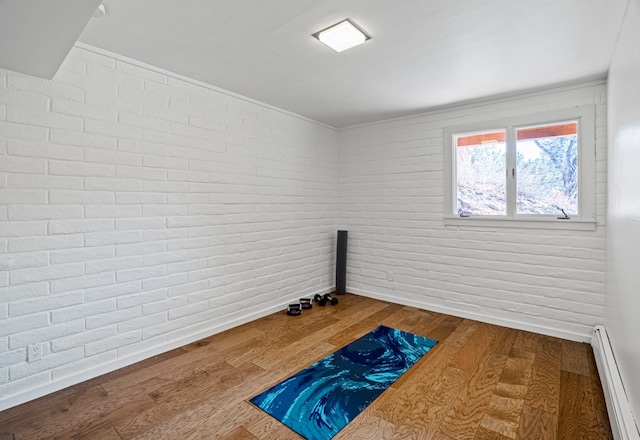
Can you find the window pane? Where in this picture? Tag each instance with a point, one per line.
(547, 169)
(480, 170)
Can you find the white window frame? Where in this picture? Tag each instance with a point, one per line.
(585, 220)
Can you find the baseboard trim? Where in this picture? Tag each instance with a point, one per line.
(623, 423)
(476, 316)
(91, 373)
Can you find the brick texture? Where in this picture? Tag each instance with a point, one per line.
(137, 209)
(391, 201)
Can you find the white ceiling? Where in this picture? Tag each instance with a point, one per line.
(423, 53)
(36, 35)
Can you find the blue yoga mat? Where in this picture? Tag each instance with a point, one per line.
(320, 400)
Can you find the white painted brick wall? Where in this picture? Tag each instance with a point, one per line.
(138, 209)
(391, 202)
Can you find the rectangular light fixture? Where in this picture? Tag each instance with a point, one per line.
(342, 36)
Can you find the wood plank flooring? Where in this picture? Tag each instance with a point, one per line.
(480, 382)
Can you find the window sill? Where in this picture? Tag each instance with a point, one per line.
(523, 223)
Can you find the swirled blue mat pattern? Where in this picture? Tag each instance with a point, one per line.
(320, 400)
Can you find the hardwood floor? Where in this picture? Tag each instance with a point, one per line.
(480, 382)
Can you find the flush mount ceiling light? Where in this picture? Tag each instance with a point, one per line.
(342, 36)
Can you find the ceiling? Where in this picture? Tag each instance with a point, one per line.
(43, 30)
(423, 53)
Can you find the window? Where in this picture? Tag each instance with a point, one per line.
(536, 171)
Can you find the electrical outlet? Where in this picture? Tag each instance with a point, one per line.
(34, 352)
(389, 276)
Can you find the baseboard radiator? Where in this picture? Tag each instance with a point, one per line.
(622, 421)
